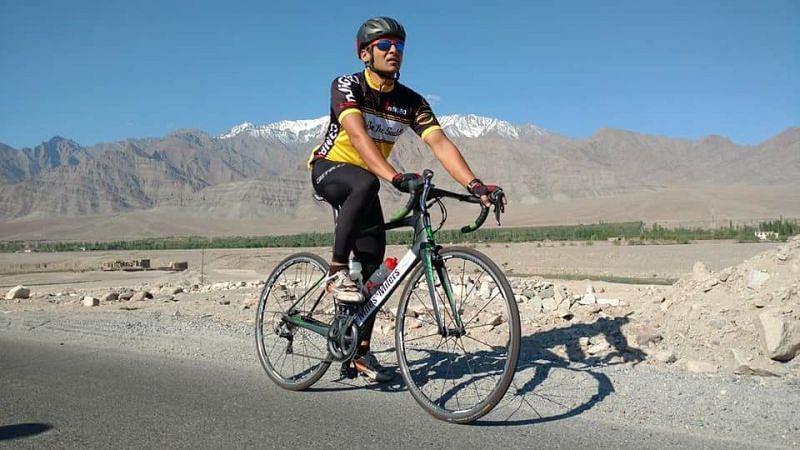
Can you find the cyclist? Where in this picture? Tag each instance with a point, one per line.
(369, 110)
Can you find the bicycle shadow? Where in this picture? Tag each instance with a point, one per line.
(338, 383)
(557, 378)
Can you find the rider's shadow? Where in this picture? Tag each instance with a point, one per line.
(551, 385)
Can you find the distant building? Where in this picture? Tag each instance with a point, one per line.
(766, 235)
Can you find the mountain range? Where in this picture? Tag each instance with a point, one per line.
(258, 172)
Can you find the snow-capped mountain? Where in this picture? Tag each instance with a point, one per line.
(473, 126)
(303, 131)
(286, 131)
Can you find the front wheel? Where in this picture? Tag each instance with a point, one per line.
(459, 375)
(294, 357)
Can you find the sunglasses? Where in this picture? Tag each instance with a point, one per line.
(385, 44)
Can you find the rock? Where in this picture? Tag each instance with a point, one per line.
(109, 297)
(141, 296)
(709, 284)
(608, 302)
(594, 309)
(387, 329)
(588, 299)
(536, 304)
(700, 272)
(520, 298)
(91, 301)
(598, 348)
(224, 285)
(780, 336)
(583, 341)
(547, 291)
(700, 367)
(493, 319)
(125, 296)
(549, 304)
(413, 324)
(562, 295)
(176, 290)
(665, 356)
(646, 335)
(417, 310)
(563, 309)
(760, 301)
(783, 253)
(724, 274)
(19, 291)
(485, 290)
(224, 301)
(762, 368)
(756, 279)
(598, 339)
(719, 323)
(590, 289)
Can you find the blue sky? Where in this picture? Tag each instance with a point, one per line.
(100, 71)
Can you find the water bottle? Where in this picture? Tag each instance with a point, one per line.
(379, 276)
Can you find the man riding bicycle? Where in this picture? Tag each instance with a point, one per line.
(369, 110)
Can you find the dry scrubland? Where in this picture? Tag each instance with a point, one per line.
(733, 308)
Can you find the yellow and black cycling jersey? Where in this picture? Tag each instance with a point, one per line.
(386, 115)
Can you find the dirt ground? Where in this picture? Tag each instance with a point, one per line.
(569, 258)
(223, 285)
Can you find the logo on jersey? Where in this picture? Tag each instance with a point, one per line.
(383, 129)
(395, 109)
(330, 138)
(345, 86)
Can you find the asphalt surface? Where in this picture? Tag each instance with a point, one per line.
(64, 395)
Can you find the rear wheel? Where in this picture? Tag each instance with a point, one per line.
(459, 376)
(294, 357)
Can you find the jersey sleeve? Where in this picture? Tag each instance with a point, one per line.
(345, 96)
(424, 121)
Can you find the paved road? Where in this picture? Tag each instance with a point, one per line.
(54, 395)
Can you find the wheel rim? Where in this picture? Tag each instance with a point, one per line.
(293, 355)
(459, 376)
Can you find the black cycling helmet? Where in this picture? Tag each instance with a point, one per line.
(378, 27)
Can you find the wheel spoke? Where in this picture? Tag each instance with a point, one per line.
(291, 283)
(460, 378)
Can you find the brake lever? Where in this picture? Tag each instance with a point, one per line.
(497, 201)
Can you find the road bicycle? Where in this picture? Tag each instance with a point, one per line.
(457, 327)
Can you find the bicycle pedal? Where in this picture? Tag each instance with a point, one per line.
(348, 371)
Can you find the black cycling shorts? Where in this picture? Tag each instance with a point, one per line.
(355, 192)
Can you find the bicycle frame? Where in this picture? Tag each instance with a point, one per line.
(423, 249)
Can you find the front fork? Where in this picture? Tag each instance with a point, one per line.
(433, 262)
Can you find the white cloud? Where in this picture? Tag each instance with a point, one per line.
(433, 99)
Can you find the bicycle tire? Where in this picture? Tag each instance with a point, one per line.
(422, 368)
(291, 278)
